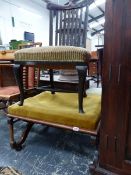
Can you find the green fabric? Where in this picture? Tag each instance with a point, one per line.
(53, 53)
(61, 108)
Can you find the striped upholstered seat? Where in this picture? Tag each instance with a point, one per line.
(53, 54)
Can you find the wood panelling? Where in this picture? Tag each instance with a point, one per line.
(115, 135)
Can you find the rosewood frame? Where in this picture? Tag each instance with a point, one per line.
(12, 119)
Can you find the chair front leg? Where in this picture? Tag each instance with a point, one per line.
(19, 80)
(51, 80)
(82, 72)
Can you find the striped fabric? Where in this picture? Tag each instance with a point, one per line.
(53, 53)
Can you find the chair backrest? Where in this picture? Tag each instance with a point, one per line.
(70, 21)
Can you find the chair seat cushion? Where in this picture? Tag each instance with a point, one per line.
(60, 108)
(53, 53)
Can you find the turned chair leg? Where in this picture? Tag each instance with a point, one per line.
(51, 80)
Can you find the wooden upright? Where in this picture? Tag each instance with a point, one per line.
(115, 135)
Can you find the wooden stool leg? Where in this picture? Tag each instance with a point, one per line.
(82, 72)
(19, 80)
(51, 80)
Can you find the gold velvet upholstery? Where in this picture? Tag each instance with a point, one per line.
(53, 53)
(60, 108)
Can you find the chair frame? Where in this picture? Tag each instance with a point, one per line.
(12, 119)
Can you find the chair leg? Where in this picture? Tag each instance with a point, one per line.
(19, 80)
(82, 72)
(84, 93)
(18, 145)
(51, 80)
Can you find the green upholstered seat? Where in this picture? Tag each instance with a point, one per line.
(53, 53)
(60, 108)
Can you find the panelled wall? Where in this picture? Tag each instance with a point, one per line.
(115, 137)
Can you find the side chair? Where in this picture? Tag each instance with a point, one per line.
(58, 107)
